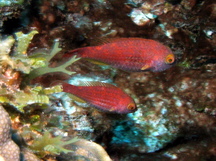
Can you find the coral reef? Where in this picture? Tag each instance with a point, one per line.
(145, 12)
(8, 149)
(167, 109)
(145, 131)
(176, 112)
(181, 151)
(10, 13)
(29, 155)
(34, 66)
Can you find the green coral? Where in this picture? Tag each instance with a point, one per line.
(51, 145)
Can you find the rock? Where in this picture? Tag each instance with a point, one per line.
(85, 150)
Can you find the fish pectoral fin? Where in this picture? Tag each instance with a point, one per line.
(112, 109)
(145, 67)
(77, 99)
(96, 62)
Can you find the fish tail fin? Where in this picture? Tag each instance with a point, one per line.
(57, 82)
(68, 88)
(78, 52)
(71, 53)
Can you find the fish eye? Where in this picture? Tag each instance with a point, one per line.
(169, 59)
(131, 107)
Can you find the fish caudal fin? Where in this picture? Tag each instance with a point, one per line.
(72, 52)
(80, 52)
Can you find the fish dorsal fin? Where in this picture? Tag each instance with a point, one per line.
(95, 83)
(103, 41)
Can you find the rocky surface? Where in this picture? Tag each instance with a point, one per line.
(176, 112)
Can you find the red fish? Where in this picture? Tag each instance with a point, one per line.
(103, 96)
(129, 54)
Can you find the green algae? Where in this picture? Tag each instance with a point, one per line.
(5, 49)
(19, 60)
(6, 45)
(185, 64)
(23, 41)
(16, 60)
(22, 98)
(46, 69)
(35, 65)
(51, 145)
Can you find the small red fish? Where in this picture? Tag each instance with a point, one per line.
(129, 54)
(103, 96)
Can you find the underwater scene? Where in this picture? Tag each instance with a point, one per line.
(107, 80)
